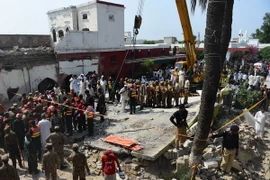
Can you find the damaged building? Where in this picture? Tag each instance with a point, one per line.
(84, 38)
(27, 64)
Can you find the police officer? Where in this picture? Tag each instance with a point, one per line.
(36, 138)
(50, 163)
(31, 155)
(58, 140)
(12, 146)
(7, 171)
(79, 162)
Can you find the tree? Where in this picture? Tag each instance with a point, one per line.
(263, 34)
(148, 65)
(216, 42)
(265, 53)
(149, 42)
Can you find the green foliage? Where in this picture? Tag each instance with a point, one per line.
(149, 42)
(148, 65)
(200, 55)
(265, 53)
(263, 34)
(246, 99)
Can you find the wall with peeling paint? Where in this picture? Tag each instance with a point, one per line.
(78, 66)
(26, 79)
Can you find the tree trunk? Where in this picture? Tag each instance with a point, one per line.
(226, 29)
(213, 69)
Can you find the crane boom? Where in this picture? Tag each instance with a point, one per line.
(187, 31)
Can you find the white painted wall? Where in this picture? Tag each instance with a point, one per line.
(78, 66)
(91, 21)
(26, 79)
(78, 41)
(110, 31)
(61, 19)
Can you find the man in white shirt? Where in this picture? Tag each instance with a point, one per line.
(186, 86)
(124, 97)
(260, 118)
(45, 129)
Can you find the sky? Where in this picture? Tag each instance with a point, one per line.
(160, 17)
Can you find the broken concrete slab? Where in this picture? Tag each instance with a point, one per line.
(210, 164)
(153, 131)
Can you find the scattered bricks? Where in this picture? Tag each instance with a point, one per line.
(210, 164)
(135, 167)
(207, 156)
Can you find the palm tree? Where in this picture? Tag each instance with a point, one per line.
(217, 38)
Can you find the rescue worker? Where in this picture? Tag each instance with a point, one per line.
(68, 112)
(186, 92)
(90, 114)
(181, 125)
(7, 171)
(108, 165)
(58, 140)
(50, 163)
(31, 155)
(11, 146)
(230, 146)
(19, 130)
(124, 97)
(36, 137)
(79, 163)
(132, 99)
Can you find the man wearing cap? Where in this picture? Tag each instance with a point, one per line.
(108, 165)
(11, 146)
(79, 163)
(19, 129)
(7, 171)
(181, 124)
(31, 155)
(36, 136)
(58, 140)
(50, 163)
(230, 147)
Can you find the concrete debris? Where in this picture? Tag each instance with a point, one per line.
(247, 165)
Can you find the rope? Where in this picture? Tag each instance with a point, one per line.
(156, 128)
(237, 117)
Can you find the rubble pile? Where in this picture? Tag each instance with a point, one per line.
(133, 168)
(248, 164)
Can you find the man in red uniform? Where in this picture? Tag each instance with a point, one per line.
(108, 165)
